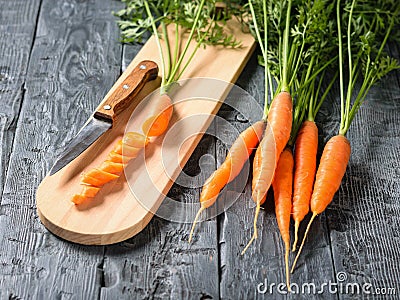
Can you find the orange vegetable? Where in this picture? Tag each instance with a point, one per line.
(160, 116)
(118, 158)
(112, 167)
(78, 199)
(332, 167)
(276, 136)
(123, 151)
(282, 185)
(231, 167)
(90, 191)
(305, 157)
(100, 177)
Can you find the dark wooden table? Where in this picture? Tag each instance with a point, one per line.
(57, 60)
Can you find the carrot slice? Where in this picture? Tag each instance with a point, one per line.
(135, 139)
(126, 150)
(112, 167)
(97, 177)
(78, 199)
(118, 158)
(89, 191)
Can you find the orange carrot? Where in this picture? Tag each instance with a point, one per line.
(256, 170)
(118, 158)
(332, 167)
(135, 139)
(231, 167)
(112, 167)
(124, 150)
(79, 199)
(276, 136)
(90, 191)
(282, 185)
(160, 116)
(305, 157)
(99, 175)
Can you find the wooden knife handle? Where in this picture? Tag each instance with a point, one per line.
(127, 87)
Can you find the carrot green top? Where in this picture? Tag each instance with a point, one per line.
(200, 18)
(297, 43)
(369, 25)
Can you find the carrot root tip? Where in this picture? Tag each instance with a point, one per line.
(296, 235)
(287, 250)
(302, 243)
(194, 223)
(255, 235)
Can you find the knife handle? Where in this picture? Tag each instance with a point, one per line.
(122, 92)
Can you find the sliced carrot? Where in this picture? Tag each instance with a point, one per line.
(78, 199)
(112, 167)
(135, 139)
(89, 191)
(118, 158)
(97, 177)
(125, 150)
(101, 175)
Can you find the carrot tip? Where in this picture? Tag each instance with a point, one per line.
(194, 223)
(287, 250)
(302, 243)
(249, 243)
(255, 235)
(296, 235)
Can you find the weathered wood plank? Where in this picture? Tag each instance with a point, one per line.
(159, 263)
(17, 30)
(75, 60)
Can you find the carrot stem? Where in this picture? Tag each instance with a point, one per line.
(158, 43)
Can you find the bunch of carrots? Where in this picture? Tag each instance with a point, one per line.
(300, 42)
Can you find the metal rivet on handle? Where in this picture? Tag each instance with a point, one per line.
(142, 67)
(125, 86)
(107, 107)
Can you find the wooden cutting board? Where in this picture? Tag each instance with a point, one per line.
(121, 210)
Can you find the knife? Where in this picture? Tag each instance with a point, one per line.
(105, 114)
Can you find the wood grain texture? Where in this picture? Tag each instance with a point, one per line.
(76, 58)
(17, 30)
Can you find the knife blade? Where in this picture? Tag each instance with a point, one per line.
(119, 97)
